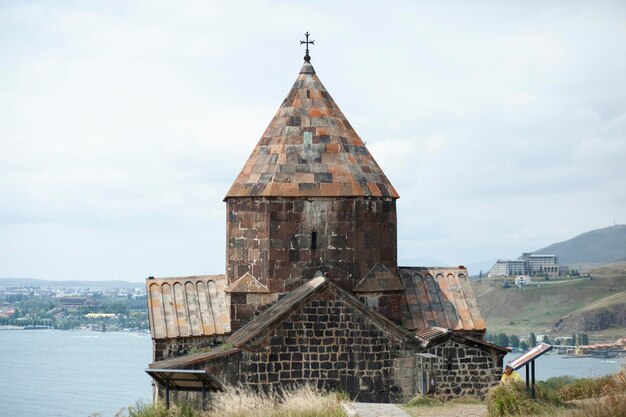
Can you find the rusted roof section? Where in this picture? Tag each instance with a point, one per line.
(247, 284)
(310, 149)
(187, 306)
(379, 279)
(431, 333)
(439, 297)
(196, 380)
(193, 359)
(473, 341)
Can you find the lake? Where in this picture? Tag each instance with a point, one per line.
(551, 365)
(50, 373)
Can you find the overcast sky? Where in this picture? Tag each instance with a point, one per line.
(123, 123)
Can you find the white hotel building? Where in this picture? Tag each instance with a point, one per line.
(527, 264)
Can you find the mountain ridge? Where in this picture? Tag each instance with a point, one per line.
(599, 246)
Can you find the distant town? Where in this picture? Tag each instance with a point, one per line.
(34, 307)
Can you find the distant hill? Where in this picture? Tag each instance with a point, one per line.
(560, 305)
(601, 246)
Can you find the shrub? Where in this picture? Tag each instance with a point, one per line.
(423, 401)
(557, 382)
(582, 388)
(158, 410)
(512, 399)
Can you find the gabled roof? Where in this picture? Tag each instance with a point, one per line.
(439, 297)
(187, 306)
(247, 284)
(283, 307)
(379, 279)
(310, 149)
(275, 312)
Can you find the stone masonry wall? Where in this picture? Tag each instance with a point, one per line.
(283, 241)
(465, 370)
(174, 347)
(333, 345)
(243, 307)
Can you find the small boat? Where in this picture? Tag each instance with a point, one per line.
(604, 353)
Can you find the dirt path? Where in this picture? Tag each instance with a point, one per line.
(392, 410)
(453, 410)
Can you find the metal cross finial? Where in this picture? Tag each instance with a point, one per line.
(307, 57)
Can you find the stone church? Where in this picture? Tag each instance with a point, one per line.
(312, 291)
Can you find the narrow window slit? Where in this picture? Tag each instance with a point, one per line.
(308, 94)
(314, 240)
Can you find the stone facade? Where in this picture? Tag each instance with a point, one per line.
(244, 306)
(331, 340)
(179, 346)
(284, 241)
(465, 371)
(332, 344)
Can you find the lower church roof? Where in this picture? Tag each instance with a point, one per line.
(439, 297)
(187, 306)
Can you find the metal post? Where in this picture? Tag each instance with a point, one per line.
(167, 394)
(203, 395)
(532, 365)
(527, 377)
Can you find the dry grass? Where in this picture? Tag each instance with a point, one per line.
(237, 402)
(611, 404)
(585, 397)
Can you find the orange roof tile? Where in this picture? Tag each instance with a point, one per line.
(308, 133)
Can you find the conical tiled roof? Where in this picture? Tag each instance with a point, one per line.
(310, 149)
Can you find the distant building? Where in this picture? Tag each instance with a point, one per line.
(75, 302)
(528, 264)
(507, 269)
(522, 280)
(100, 315)
(541, 264)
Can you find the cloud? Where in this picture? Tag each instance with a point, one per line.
(123, 124)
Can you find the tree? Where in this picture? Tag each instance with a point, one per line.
(546, 339)
(514, 340)
(503, 340)
(583, 339)
(523, 345)
(480, 275)
(532, 339)
(572, 340)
